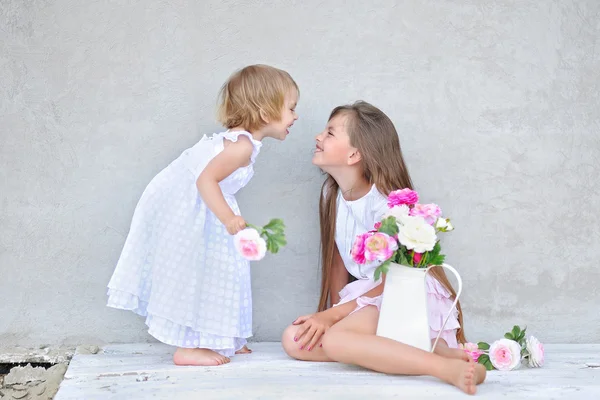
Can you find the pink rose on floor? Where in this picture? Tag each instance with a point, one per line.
(358, 248)
(380, 247)
(250, 244)
(429, 212)
(403, 196)
(472, 350)
(505, 354)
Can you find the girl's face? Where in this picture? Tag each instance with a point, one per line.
(333, 147)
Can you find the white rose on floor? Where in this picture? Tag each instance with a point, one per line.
(397, 212)
(536, 352)
(444, 225)
(250, 244)
(416, 234)
(505, 354)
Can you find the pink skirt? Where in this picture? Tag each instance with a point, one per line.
(439, 304)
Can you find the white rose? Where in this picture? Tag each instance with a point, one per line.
(444, 225)
(397, 212)
(505, 354)
(416, 234)
(536, 352)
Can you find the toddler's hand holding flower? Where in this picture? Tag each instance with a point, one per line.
(235, 225)
(253, 242)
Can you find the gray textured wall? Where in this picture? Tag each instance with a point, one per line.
(496, 103)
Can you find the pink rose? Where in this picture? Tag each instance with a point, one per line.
(402, 196)
(377, 225)
(380, 247)
(505, 354)
(358, 248)
(472, 350)
(250, 245)
(429, 212)
(417, 257)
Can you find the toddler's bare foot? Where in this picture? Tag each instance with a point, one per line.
(462, 375)
(244, 350)
(204, 357)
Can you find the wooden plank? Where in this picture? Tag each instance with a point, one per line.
(141, 371)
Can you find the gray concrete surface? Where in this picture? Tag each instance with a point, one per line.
(496, 103)
(141, 371)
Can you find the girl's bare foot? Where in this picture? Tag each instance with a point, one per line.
(244, 350)
(480, 373)
(447, 352)
(461, 374)
(204, 357)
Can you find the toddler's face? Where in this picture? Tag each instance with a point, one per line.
(280, 129)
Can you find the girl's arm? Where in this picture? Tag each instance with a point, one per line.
(339, 277)
(314, 326)
(235, 155)
(340, 312)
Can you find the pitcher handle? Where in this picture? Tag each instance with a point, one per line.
(458, 292)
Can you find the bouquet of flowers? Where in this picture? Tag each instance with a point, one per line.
(508, 353)
(253, 242)
(407, 235)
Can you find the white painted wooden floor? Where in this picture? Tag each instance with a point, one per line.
(145, 371)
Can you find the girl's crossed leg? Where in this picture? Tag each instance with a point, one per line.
(353, 341)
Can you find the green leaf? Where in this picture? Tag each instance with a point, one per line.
(483, 346)
(389, 226)
(516, 331)
(383, 268)
(509, 336)
(272, 246)
(437, 260)
(275, 224)
(523, 332)
(436, 249)
(404, 260)
(484, 360)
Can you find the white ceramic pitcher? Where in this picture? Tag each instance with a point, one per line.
(403, 316)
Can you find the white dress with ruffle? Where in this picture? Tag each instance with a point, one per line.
(179, 267)
(359, 216)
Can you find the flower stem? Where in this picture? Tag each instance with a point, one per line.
(260, 231)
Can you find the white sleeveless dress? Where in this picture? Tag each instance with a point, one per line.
(359, 216)
(179, 267)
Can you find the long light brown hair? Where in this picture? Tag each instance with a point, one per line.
(375, 137)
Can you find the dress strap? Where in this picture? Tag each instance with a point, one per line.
(233, 136)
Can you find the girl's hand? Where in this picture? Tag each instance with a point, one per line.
(235, 224)
(311, 329)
